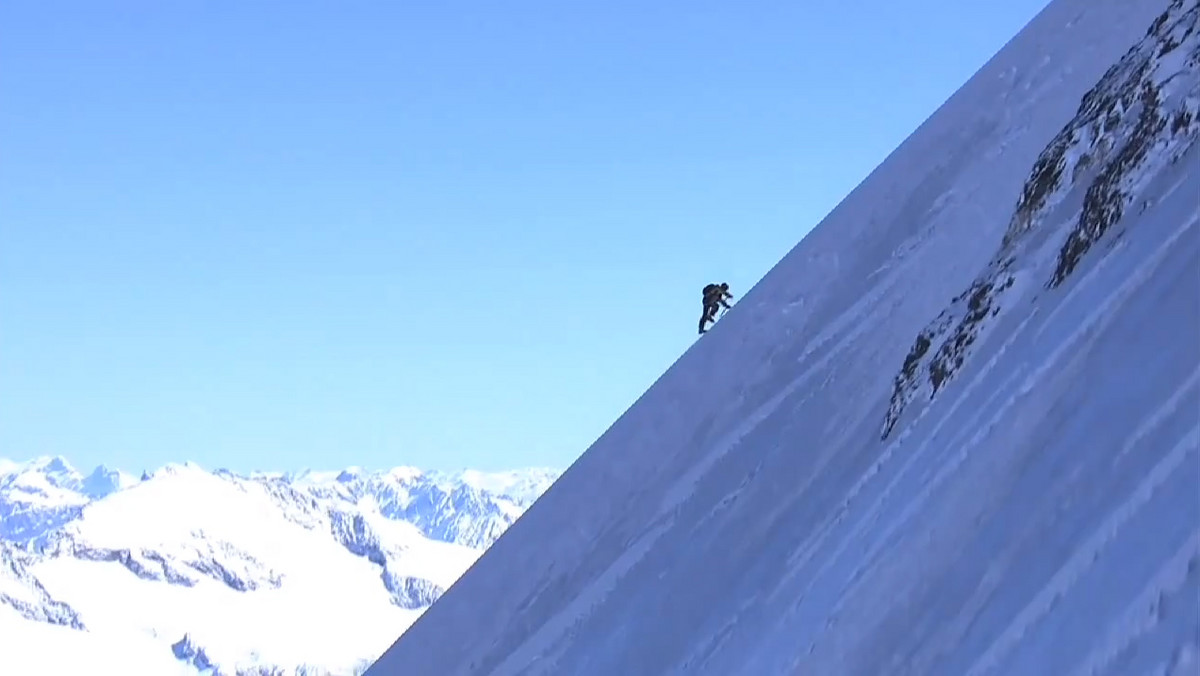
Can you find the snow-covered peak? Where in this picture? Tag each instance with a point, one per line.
(468, 507)
(37, 496)
(104, 481)
(186, 468)
(176, 501)
(53, 466)
(405, 474)
(521, 486)
(47, 474)
(232, 572)
(240, 572)
(43, 476)
(44, 493)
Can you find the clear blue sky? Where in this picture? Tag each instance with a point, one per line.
(288, 235)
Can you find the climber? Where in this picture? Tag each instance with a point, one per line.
(715, 295)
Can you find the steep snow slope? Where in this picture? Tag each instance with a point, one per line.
(955, 431)
(241, 574)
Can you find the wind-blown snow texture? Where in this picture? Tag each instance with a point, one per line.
(955, 431)
(187, 571)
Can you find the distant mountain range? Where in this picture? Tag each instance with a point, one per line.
(185, 570)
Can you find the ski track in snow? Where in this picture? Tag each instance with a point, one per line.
(1053, 592)
(744, 518)
(1145, 611)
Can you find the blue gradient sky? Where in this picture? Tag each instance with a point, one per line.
(288, 235)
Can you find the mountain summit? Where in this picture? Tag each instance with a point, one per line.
(956, 430)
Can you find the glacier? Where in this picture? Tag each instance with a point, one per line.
(189, 571)
(955, 430)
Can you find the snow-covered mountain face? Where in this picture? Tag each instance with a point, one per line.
(42, 495)
(189, 571)
(469, 508)
(955, 431)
